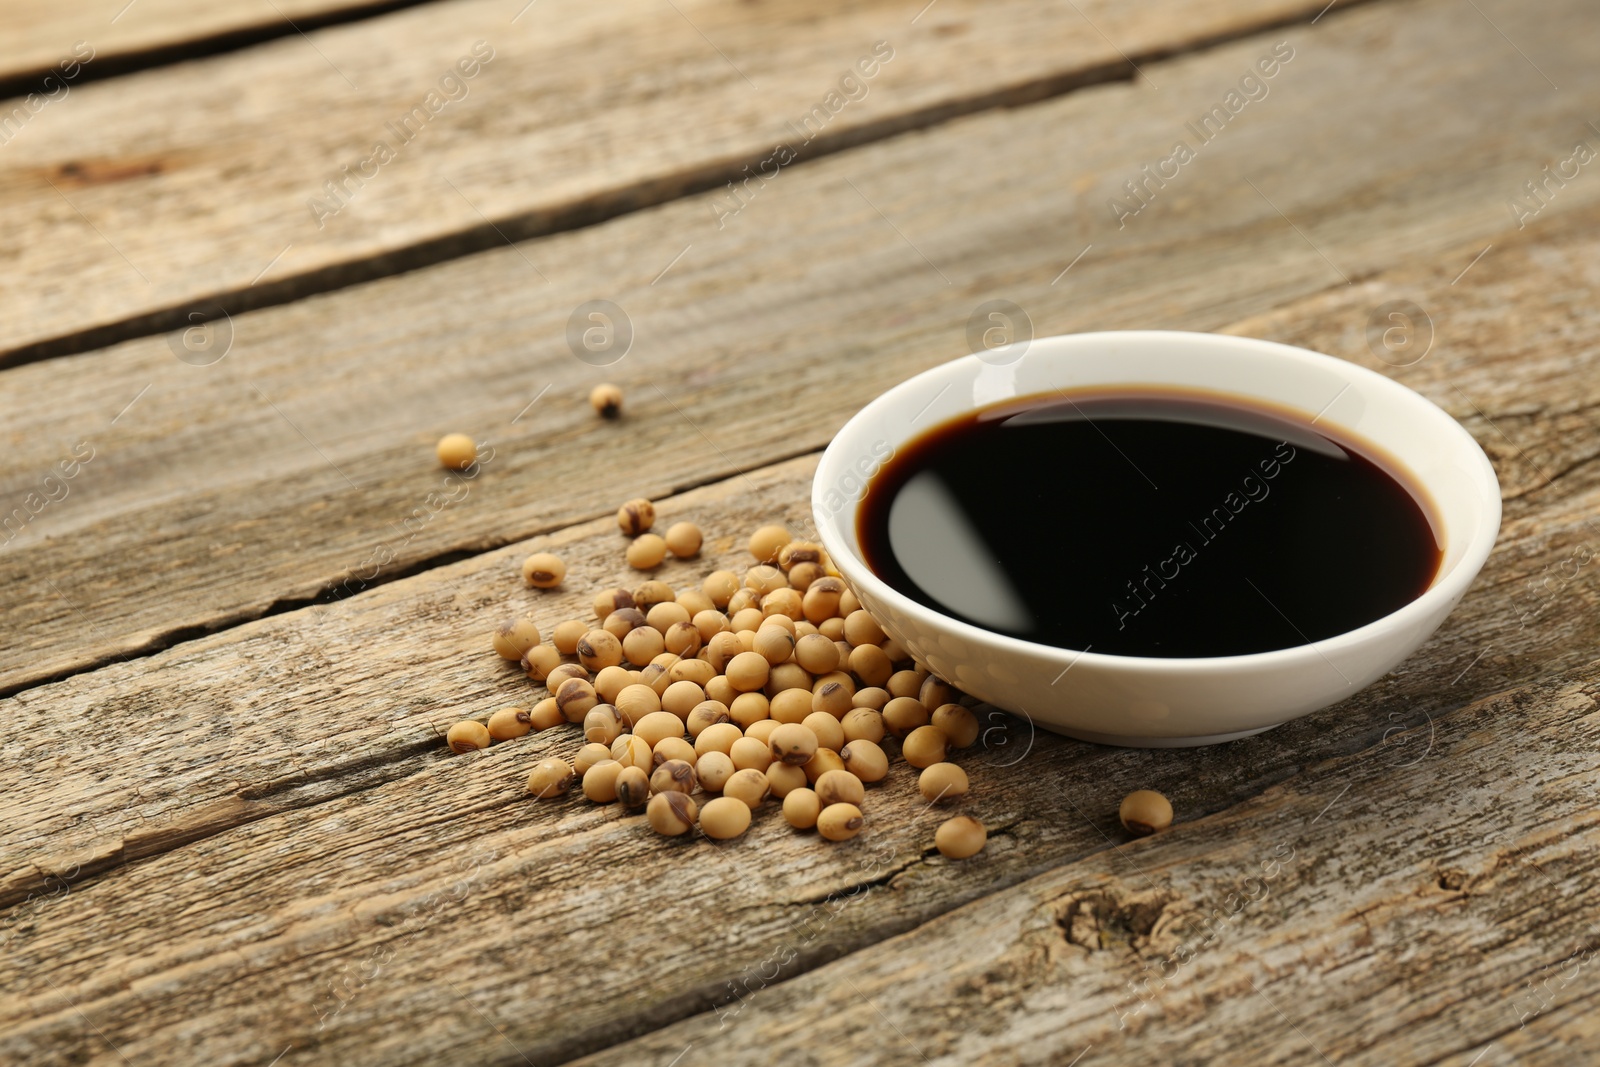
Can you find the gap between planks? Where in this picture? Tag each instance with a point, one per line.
(118, 62)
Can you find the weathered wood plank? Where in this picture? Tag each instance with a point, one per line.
(219, 493)
(298, 757)
(1356, 915)
(127, 219)
(345, 812)
(124, 35)
(341, 811)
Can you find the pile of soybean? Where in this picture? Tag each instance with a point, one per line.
(774, 684)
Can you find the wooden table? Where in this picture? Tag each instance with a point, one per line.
(231, 638)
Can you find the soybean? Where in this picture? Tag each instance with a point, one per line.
(725, 818)
(456, 451)
(664, 614)
(558, 674)
(674, 774)
(762, 729)
(747, 709)
(575, 697)
(871, 665)
(604, 725)
(865, 760)
(684, 539)
(636, 516)
(750, 753)
(550, 778)
(646, 551)
(704, 715)
(790, 705)
(633, 787)
(924, 746)
(774, 644)
(545, 715)
(694, 670)
(960, 837)
(748, 786)
(768, 541)
(720, 586)
(824, 761)
(543, 570)
(799, 552)
(599, 649)
(942, 781)
(589, 755)
(669, 748)
(635, 701)
(822, 599)
(934, 693)
(467, 736)
(748, 671)
(785, 602)
(816, 654)
(957, 723)
(606, 399)
(631, 751)
(840, 787)
(785, 778)
(904, 715)
(714, 769)
(862, 629)
(833, 698)
(1144, 812)
(801, 808)
(762, 579)
(508, 723)
(643, 644)
(872, 696)
(801, 575)
(789, 676)
(600, 781)
(793, 743)
(608, 600)
(828, 731)
(611, 681)
(671, 814)
(694, 601)
(905, 684)
(657, 726)
(540, 660)
(683, 639)
(839, 822)
(652, 593)
(863, 724)
(681, 698)
(620, 624)
(514, 637)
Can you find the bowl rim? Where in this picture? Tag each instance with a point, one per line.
(1440, 597)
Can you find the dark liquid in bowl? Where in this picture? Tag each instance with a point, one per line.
(1148, 523)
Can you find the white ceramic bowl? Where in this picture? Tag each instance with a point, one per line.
(1146, 701)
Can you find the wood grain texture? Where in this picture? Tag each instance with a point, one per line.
(293, 811)
(266, 844)
(145, 196)
(125, 35)
(1357, 915)
(276, 475)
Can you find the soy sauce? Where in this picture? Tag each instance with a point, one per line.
(1149, 523)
